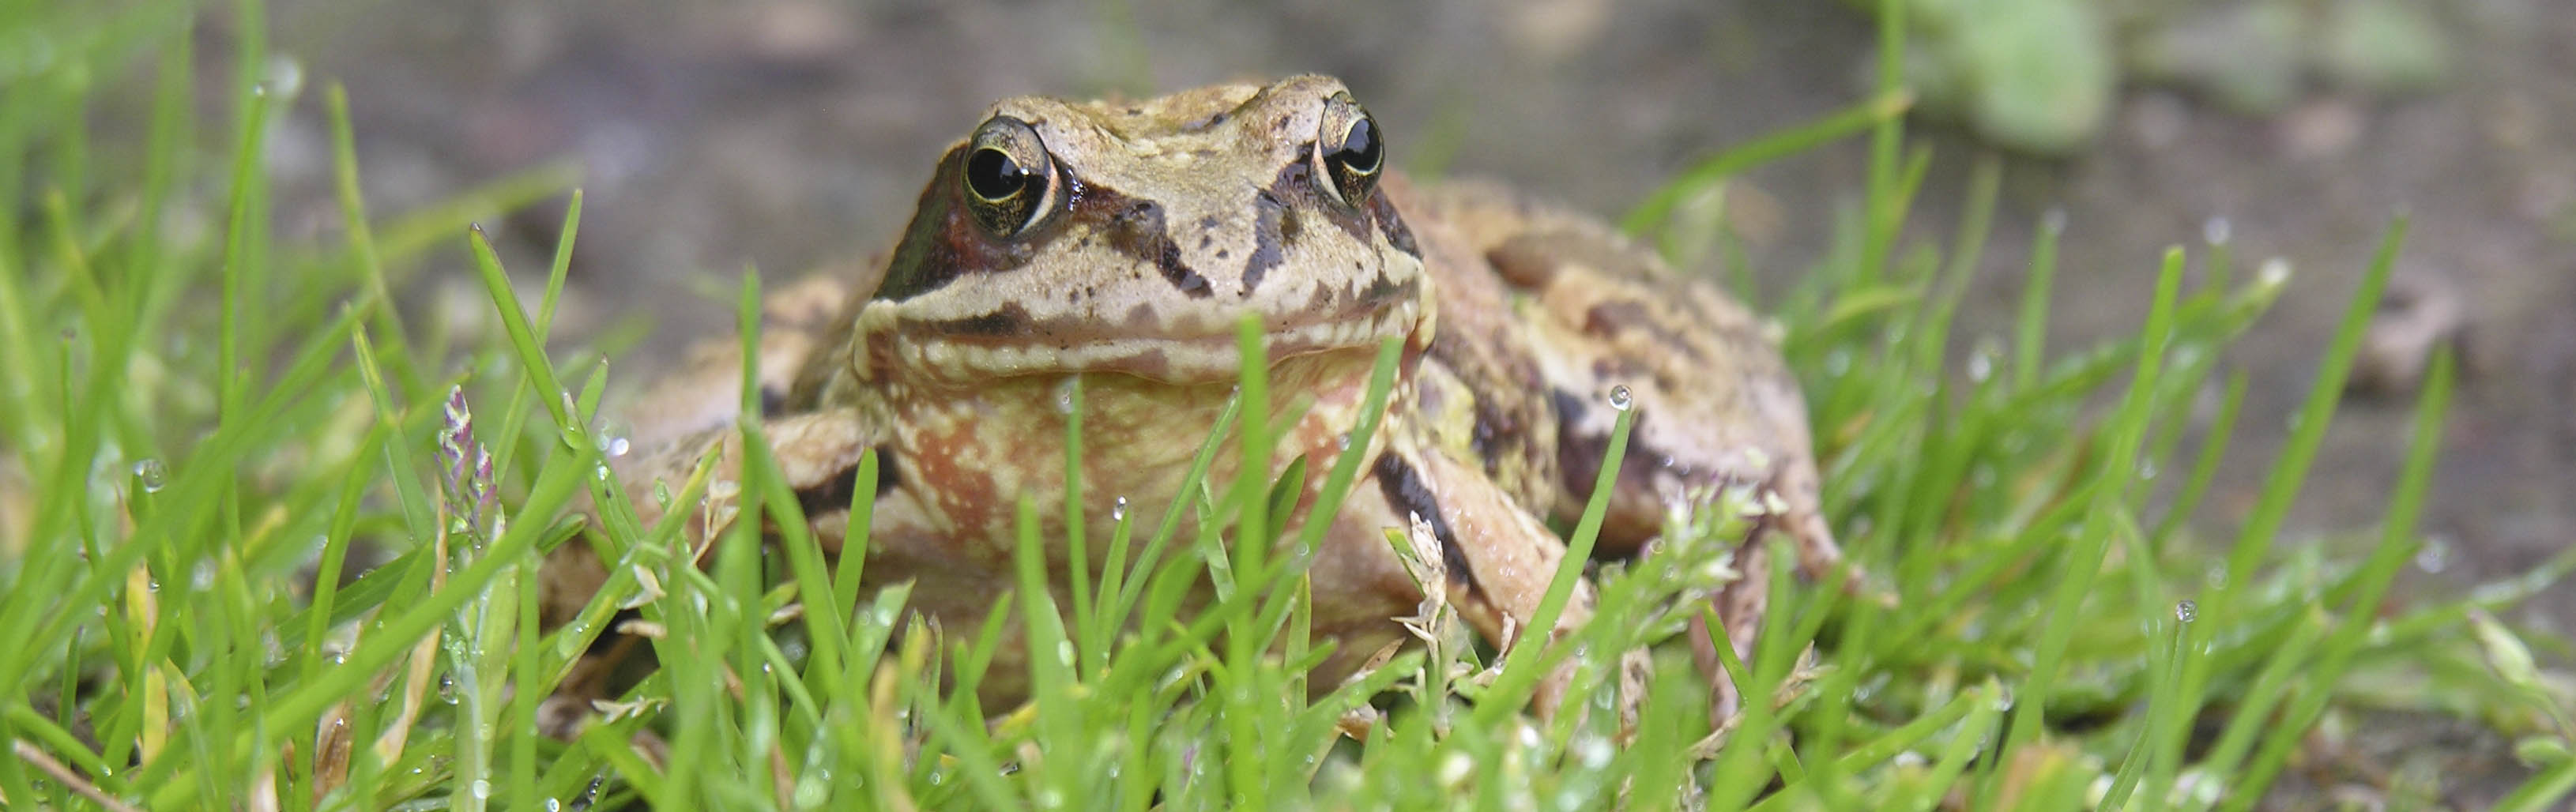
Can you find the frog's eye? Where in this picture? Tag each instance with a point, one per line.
(1009, 179)
(1349, 151)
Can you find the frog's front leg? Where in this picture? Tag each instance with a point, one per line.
(1497, 559)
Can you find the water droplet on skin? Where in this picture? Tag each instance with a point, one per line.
(151, 474)
(1619, 398)
(2187, 610)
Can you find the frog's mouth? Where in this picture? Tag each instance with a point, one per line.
(1190, 347)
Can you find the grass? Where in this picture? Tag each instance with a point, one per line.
(2055, 636)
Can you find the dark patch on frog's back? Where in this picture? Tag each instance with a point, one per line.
(1611, 317)
(1579, 453)
(943, 243)
(834, 494)
(1403, 487)
(1493, 428)
(1137, 229)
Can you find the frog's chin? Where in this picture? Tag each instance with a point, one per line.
(1198, 357)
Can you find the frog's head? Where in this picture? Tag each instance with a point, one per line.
(1132, 237)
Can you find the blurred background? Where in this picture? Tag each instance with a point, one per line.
(793, 135)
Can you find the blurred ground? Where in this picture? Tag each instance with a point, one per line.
(793, 133)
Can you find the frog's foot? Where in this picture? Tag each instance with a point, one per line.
(1495, 559)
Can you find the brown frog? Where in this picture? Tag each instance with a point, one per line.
(1122, 242)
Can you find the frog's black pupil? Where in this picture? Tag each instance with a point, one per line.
(994, 176)
(1360, 149)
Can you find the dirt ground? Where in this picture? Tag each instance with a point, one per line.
(788, 134)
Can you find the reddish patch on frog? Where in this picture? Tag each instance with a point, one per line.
(945, 475)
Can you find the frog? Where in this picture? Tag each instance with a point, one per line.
(1122, 243)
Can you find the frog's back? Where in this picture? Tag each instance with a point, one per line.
(1543, 312)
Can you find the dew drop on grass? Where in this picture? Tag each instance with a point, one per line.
(1980, 367)
(2217, 230)
(2274, 273)
(1595, 751)
(1064, 395)
(2054, 220)
(151, 474)
(1619, 398)
(2435, 556)
(2187, 610)
(1453, 769)
(1838, 363)
(1118, 510)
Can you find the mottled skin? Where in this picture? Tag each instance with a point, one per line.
(1139, 234)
